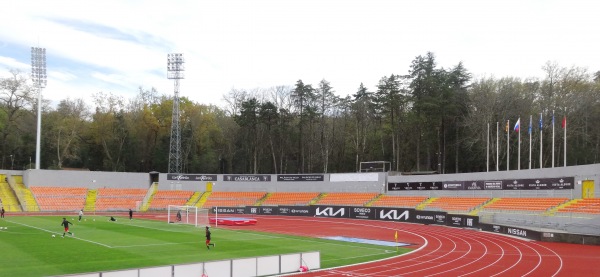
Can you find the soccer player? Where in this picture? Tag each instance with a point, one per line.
(208, 244)
(2, 212)
(80, 214)
(130, 214)
(178, 215)
(66, 223)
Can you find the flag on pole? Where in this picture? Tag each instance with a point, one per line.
(564, 122)
(518, 125)
(541, 124)
(530, 123)
(507, 126)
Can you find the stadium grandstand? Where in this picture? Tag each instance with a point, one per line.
(561, 199)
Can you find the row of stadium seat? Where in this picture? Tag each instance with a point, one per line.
(589, 206)
(527, 204)
(59, 198)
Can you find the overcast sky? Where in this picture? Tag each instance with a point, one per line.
(117, 46)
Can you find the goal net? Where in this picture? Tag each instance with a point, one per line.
(187, 215)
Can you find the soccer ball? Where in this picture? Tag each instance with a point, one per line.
(53, 236)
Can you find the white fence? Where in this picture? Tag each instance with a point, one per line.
(246, 267)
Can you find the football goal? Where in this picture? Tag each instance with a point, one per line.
(187, 215)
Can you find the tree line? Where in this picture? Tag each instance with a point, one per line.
(429, 119)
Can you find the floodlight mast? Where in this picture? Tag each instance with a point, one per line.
(39, 77)
(175, 71)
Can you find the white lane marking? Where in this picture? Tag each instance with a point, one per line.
(51, 232)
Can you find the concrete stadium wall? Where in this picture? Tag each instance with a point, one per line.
(89, 179)
(273, 186)
(343, 182)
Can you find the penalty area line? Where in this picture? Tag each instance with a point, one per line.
(52, 232)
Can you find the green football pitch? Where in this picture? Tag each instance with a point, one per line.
(29, 249)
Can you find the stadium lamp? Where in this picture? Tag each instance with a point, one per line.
(39, 77)
(175, 71)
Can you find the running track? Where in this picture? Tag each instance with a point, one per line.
(443, 251)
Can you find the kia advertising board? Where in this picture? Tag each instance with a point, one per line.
(331, 211)
(394, 214)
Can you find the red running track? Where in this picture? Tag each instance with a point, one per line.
(443, 251)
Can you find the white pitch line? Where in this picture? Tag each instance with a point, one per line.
(152, 228)
(155, 244)
(52, 232)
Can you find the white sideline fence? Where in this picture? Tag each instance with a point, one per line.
(244, 267)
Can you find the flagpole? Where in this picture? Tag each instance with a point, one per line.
(541, 139)
(552, 138)
(507, 145)
(565, 136)
(487, 163)
(497, 147)
(519, 147)
(530, 121)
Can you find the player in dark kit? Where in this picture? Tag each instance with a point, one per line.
(2, 212)
(130, 214)
(208, 244)
(65, 223)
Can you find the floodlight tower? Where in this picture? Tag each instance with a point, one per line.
(175, 71)
(39, 77)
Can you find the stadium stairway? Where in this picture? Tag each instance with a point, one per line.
(30, 203)
(425, 203)
(316, 200)
(9, 199)
(368, 204)
(552, 211)
(193, 199)
(262, 199)
(477, 209)
(149, 196)
(90, 200)
(203, 199)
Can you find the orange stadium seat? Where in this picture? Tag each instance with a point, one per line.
(584, 206)
(347, 198)
(526, 204)
(399, 201)
(109, 199)
(163, 198)
(59, 198)
(232, 199)
(290, 198)
(457, 203)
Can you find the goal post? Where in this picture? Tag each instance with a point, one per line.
(187, 215)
